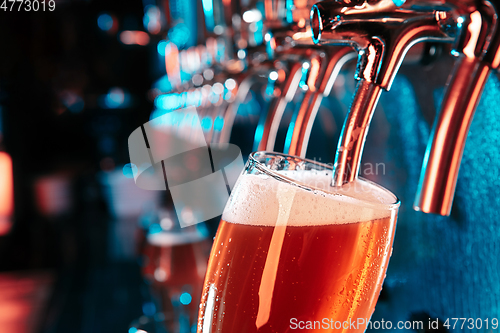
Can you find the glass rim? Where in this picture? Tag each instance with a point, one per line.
(253, 159)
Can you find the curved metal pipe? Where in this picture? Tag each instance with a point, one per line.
(384, 30)
(382, 33)
(265, 139)
(232, 109)
(480, 55)
(246, 82)
(277, 14)
(353, 136)
(446, 144)
(299, 130)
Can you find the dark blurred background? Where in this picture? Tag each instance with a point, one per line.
(71, 91)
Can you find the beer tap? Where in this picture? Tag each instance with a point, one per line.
(478, 55)
(320, 84)
(284, 84)
(382, 32)
(290, 52)
(266, 132)
(244, 69)
(288, 37)
(292, 61)
(323, 73)
(245, 82)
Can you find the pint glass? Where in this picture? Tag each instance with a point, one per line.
(174, 262)
(293, 253)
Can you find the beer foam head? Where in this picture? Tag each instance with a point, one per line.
(264, 200)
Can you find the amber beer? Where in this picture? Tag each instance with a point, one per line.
(175, 263)
(285, 252)
(176, 258)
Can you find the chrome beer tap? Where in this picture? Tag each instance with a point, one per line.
(323, 73)
(284, 84)
(215, 87)
(320, 84)
(245, 70)
(382, 32)
(265, 137)
(478, 55)
(292, 62)
(242, 91)
(288, 37)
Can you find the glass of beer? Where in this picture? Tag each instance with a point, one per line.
(292, 252)
(174, 262)
(180, 260)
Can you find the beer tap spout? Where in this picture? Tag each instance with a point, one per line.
(479, 54)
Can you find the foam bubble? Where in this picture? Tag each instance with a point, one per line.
(259, 200)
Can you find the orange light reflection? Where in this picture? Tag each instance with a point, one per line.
(313, 74)
(130, 37)
(6, 192)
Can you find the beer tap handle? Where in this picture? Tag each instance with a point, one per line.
(479, 55)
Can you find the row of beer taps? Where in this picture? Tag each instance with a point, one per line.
(307, 43)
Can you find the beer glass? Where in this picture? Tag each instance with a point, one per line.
(180, 261)
(293, 251)
(174, 264)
